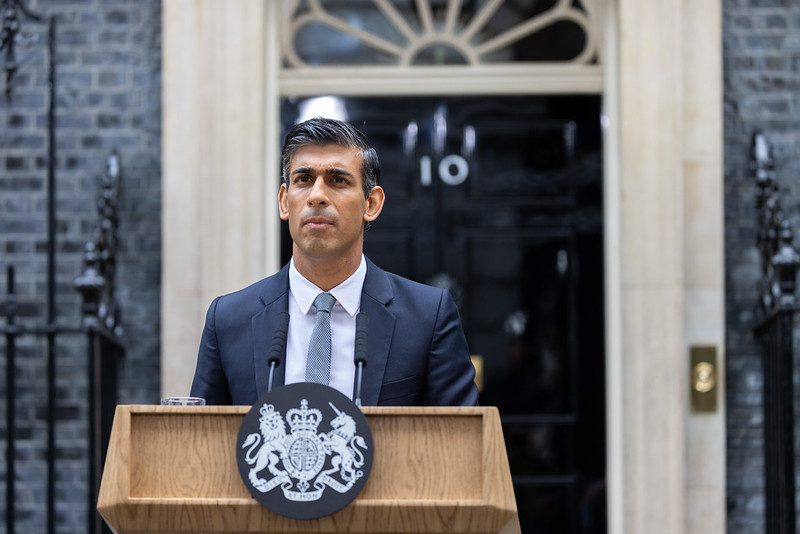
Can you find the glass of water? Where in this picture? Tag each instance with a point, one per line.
(183, 401)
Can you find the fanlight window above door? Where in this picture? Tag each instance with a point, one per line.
(412, 33)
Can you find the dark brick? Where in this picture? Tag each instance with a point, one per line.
(16, 247)
(75, 79)
(742, 63)
(21, 184)
(17, 121)
(123, 100)
(776, 63)
(22, 100)
(111, 78)
(73, 38)
(94, 99)
(73, 162)
(117, 16)
(66, 121)
(22, 141)
(91, 141)
(14, 226)
(778, 22)
(93, 58)
(15, 163)
(768, 3)
(66, 58)
(741, 22)
(105, 120)
(114, 37)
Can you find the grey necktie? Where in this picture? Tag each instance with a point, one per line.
(318, 362)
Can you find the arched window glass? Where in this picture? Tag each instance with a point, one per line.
(409, 33)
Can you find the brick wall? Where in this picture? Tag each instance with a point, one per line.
(108, 79)
(762, 93)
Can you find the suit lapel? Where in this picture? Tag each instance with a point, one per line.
(377, 293)
(275, 297)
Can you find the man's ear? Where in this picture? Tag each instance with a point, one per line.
(375, 202)
(283, 203)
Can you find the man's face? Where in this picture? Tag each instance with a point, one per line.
(325, 205)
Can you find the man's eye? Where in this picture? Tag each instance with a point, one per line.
(339, 180)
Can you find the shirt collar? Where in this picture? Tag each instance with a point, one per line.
(347, 294)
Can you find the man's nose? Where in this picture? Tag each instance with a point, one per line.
(318, 196)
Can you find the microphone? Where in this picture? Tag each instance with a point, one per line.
(360, 353)
(278, 349)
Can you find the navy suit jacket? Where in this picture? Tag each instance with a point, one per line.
(417, 353)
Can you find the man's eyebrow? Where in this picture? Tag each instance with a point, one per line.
(301, 170)
(332, 170)
(337, 170)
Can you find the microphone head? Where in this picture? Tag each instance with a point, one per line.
(362, 331)
(278, 349)
(282, 322)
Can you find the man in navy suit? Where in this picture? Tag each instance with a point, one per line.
(417, 353)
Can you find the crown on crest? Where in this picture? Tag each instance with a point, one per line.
(304, 419)
(266, 410)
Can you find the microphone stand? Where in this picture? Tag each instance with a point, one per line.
(359, 370)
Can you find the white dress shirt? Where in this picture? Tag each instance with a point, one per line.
(303, 315)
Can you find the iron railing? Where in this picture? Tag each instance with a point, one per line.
(100, 323)
(101, 331)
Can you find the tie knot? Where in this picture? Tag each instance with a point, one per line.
(324, 302)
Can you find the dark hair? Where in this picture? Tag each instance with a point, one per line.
(321, 131)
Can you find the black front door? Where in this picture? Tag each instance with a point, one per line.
(499, 199)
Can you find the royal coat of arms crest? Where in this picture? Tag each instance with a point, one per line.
(290, 452)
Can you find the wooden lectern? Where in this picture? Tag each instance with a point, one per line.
(172, 469)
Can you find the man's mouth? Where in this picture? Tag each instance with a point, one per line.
(318, 223)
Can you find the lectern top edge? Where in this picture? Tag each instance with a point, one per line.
(376, 410)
